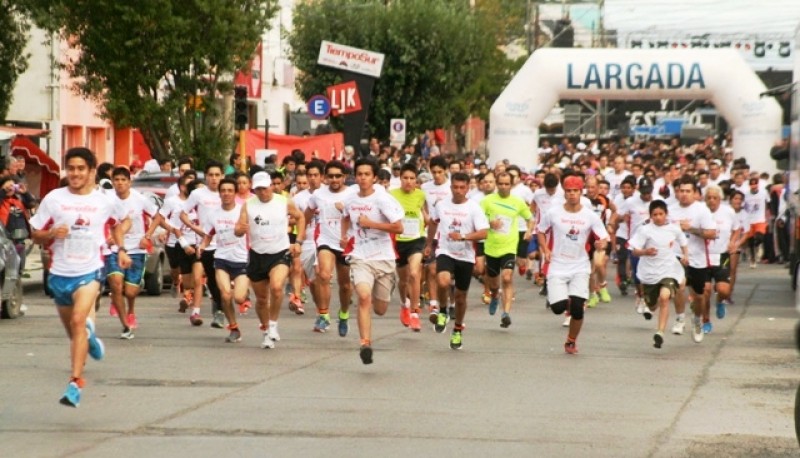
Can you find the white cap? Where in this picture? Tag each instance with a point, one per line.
(261, 180)
(581, 146)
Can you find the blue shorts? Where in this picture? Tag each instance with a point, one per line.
(234, 269)
(533, 245)
(64, 287)
(133, 274)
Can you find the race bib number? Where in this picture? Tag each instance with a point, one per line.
(411, 228)
(505, 226)
(226, 237)
(571, 251)
(80, 247)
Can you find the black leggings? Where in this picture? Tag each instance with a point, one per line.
(622, 259)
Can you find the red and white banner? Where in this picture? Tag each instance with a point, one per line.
(251, 76)
(344, 98)
(351, 59)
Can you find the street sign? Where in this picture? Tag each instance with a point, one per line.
(397, 131)
(351, 59)
(319, 107)
(344, 98)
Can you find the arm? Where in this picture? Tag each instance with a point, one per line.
(188, 223)
(301, 227)
(345, 227)
(242, 226)
(433, 226)
(155, 223)
(543, 248)
(118, 234)
(392, 228)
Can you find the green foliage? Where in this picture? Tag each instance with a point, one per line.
(144, 60)
(442, 58)
(14, 29)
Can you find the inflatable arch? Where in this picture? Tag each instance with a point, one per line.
(719, 75)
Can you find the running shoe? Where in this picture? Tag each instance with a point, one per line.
(752, 264)
(648, 314)
(195, 319)
(235, 336)
(72, 395)
(132, 323)
(594, 299)
(486, 298)
(300, 310)
(707, 327)
(433, 315)
(543, 291)
(505, 320)
(267, 342)
(658, 339)
(721, 309)
(455, 340)
(570, 347)
(640, 306)
(415, 326)
(343, 326)
(272, 332)
(244, 307)
(567, 321)
(219, 320)
(604, 295)
(295, 302)
(405, 316)
(678, 328)
(303, 296)
(441, 322)
(522, 270)
(366, 354)
(451, 312)
(697, 330)
(113, 311)
(529, 275)
(96, 348)
(493, 305)
(127, 334)
(188, 298)
(322, 323)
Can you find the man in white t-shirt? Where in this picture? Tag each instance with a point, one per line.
(435, 190)
(727, 241)
(369, 218)
(72, 222)
(456, 223)
(568, 274)
(756, 200)
(522, 191)
(617, 175)
(308, 252)
(552, 195)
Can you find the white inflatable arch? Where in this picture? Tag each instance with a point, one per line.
(550, 74)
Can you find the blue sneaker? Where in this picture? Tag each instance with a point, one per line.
(96, 348)
(343, 328)
(72, 396)
(322, 324)
(721, 310)
(493, 305)
(707, 327)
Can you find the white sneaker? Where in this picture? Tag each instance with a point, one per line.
(679, 326)
(567, 320)
(273, 334)
(268, 342)
(639, 305)
(697, 330)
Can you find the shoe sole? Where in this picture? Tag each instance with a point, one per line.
(99, 344)
(455, 347)
(217, 325)
(658, 340)
(196, 323)
(505, 322)
(267, 347)
(236, 340)
(64, 401)
(128, 337)
(647, 315)
(366, 355)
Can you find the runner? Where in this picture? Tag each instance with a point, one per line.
(737, 204)
(410, 245)
(552, 195)
(519, 189)
(635, 212)
(568, 274)
(264, 219)
(125, 283)
(727, 241)
(326, 205)
(308, 251)
(456, 223)
(71, 223)
(373, 216)
(606, 211)
(504, 211)
(205, 201)
(435, 191)
(756, 200)
(659, 270)
(230, 257)
(296, 298)
(624, 280)
(487, 186)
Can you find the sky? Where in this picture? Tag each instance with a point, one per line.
(769, 18)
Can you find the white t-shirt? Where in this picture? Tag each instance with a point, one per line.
(615, 182)
(744, 220)
(637, 209)
(140, 210)
(570, 231)
(756, 206)
(463, 218)
(435, 193)
(372, 244)
(173, 190)
(727, 223)
(205, 202)
(220, 228)
(623, 231)
(171, 211)
(268, 222)
(524, 193)
(665, 239)
(699, 216)
(301, 200)
(328, 230)
(87, 217)
(544, 201)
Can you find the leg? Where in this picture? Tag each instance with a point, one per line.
(508, 289)
(261, 291)
(277, 280)
(74, 320)
(413, 280)
(115, 283)
(226, 296)
(345, 287)
(211, 279)
(326, 261)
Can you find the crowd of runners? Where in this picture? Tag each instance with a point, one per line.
(399, 227)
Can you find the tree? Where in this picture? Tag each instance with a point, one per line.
(442, 60)
(14, 28)
(160, 65)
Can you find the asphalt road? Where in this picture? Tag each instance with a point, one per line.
(176, 390)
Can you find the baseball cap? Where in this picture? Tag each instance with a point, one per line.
(645, 185)
(573, 182)
(261, 180)
(581, 146)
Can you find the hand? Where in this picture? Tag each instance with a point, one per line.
(652, 251)
(600, 245)
(527, 237)
(22, 188)
(189, 250)
(162, 237)
(546, 255)
(144, 243)
(242, 228)
(199, 252)
(60, 232)
(294, 249)
(339, 206)
(123, 259)
(364, 222)
(343, 242)
(427, 251)
(685, 260)
(496, 224)
(780, 223)
(686, 224)
(455, 236)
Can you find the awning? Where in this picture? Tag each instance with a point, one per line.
(41, 170)
(26, 131)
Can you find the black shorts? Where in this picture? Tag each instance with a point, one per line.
(496, 265)
(408, 248)
(234, 269)
(652, 292)
(292, 238)
(522, 246)
(340, 258)
(697, 278)
(722, 272)
(479, 249)
(461, 271)
(260, 265)
(173, 255)
(186, 261)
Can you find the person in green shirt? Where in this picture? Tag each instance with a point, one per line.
(410, 245)
(502, 210)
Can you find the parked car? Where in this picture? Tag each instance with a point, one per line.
(156, 270)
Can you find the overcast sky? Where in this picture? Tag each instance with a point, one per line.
(768, 17)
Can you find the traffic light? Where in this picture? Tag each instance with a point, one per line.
(240, 107)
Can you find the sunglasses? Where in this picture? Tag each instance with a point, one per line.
(335, 175)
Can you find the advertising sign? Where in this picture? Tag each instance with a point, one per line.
(351, 59)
